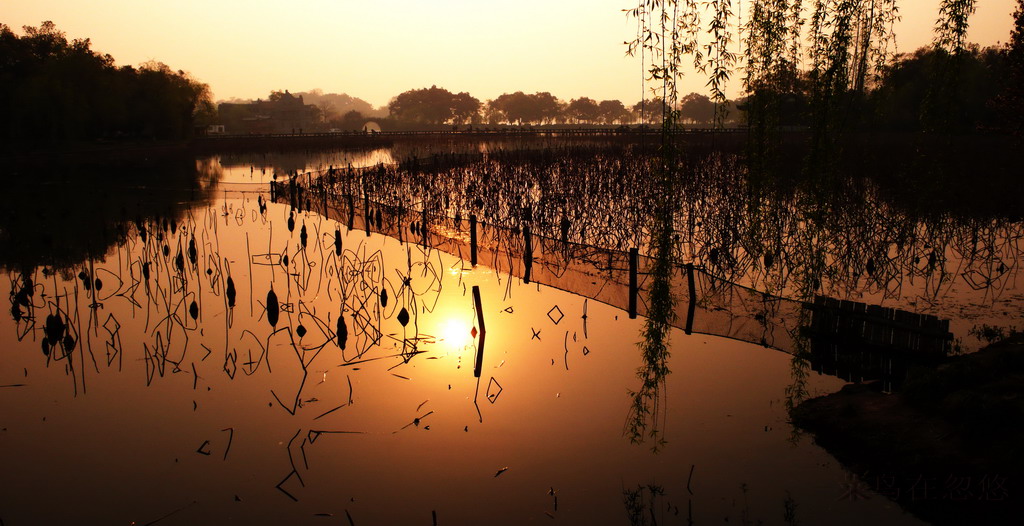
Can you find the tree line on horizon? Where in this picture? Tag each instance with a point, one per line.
(57, 91)
(436, 106)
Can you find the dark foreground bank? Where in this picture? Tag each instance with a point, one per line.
(948, 448)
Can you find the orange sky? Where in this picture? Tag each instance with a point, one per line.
(247, 48)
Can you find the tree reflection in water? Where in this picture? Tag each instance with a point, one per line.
(646, 413)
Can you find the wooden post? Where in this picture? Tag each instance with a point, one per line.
(527, 254)
(479, 363)
(472, 239)
(351, 211)
(693, 299)
(424, 231)
(634, 262)
(366, 212)
(401, 223)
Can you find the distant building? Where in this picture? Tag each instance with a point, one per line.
(283, 114)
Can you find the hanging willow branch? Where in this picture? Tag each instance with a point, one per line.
(849, 43)
(721, 61)
(951, 27)
(668, 33)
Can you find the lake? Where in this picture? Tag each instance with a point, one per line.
(303, 338)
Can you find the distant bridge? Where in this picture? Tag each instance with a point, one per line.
(470, 131)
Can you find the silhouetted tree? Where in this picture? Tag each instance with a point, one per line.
(697, 108)
(520, 108)
(1010, 100)
(612, 111)
(326, 111)
(434, 105)
(583, 109)
(491, 114)
(649, 111)
(338, 104)
(54, 91)
(167, 99)
(465, 109)
(547, 107)
(903, 99)
(352, 120)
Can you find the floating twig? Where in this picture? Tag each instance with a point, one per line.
(565, 345)
(231, 435)
(315, 433)
(333, 410)
(282, 490)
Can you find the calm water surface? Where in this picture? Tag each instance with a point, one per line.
(224, 357)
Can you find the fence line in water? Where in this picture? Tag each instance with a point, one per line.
(846, 339)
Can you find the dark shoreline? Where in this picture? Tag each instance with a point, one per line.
(864, 150)
(143, 151)
(97, 152)
(948, 449)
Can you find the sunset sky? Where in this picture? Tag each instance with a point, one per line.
(245, 49)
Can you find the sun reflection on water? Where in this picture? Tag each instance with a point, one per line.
(456, 333)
